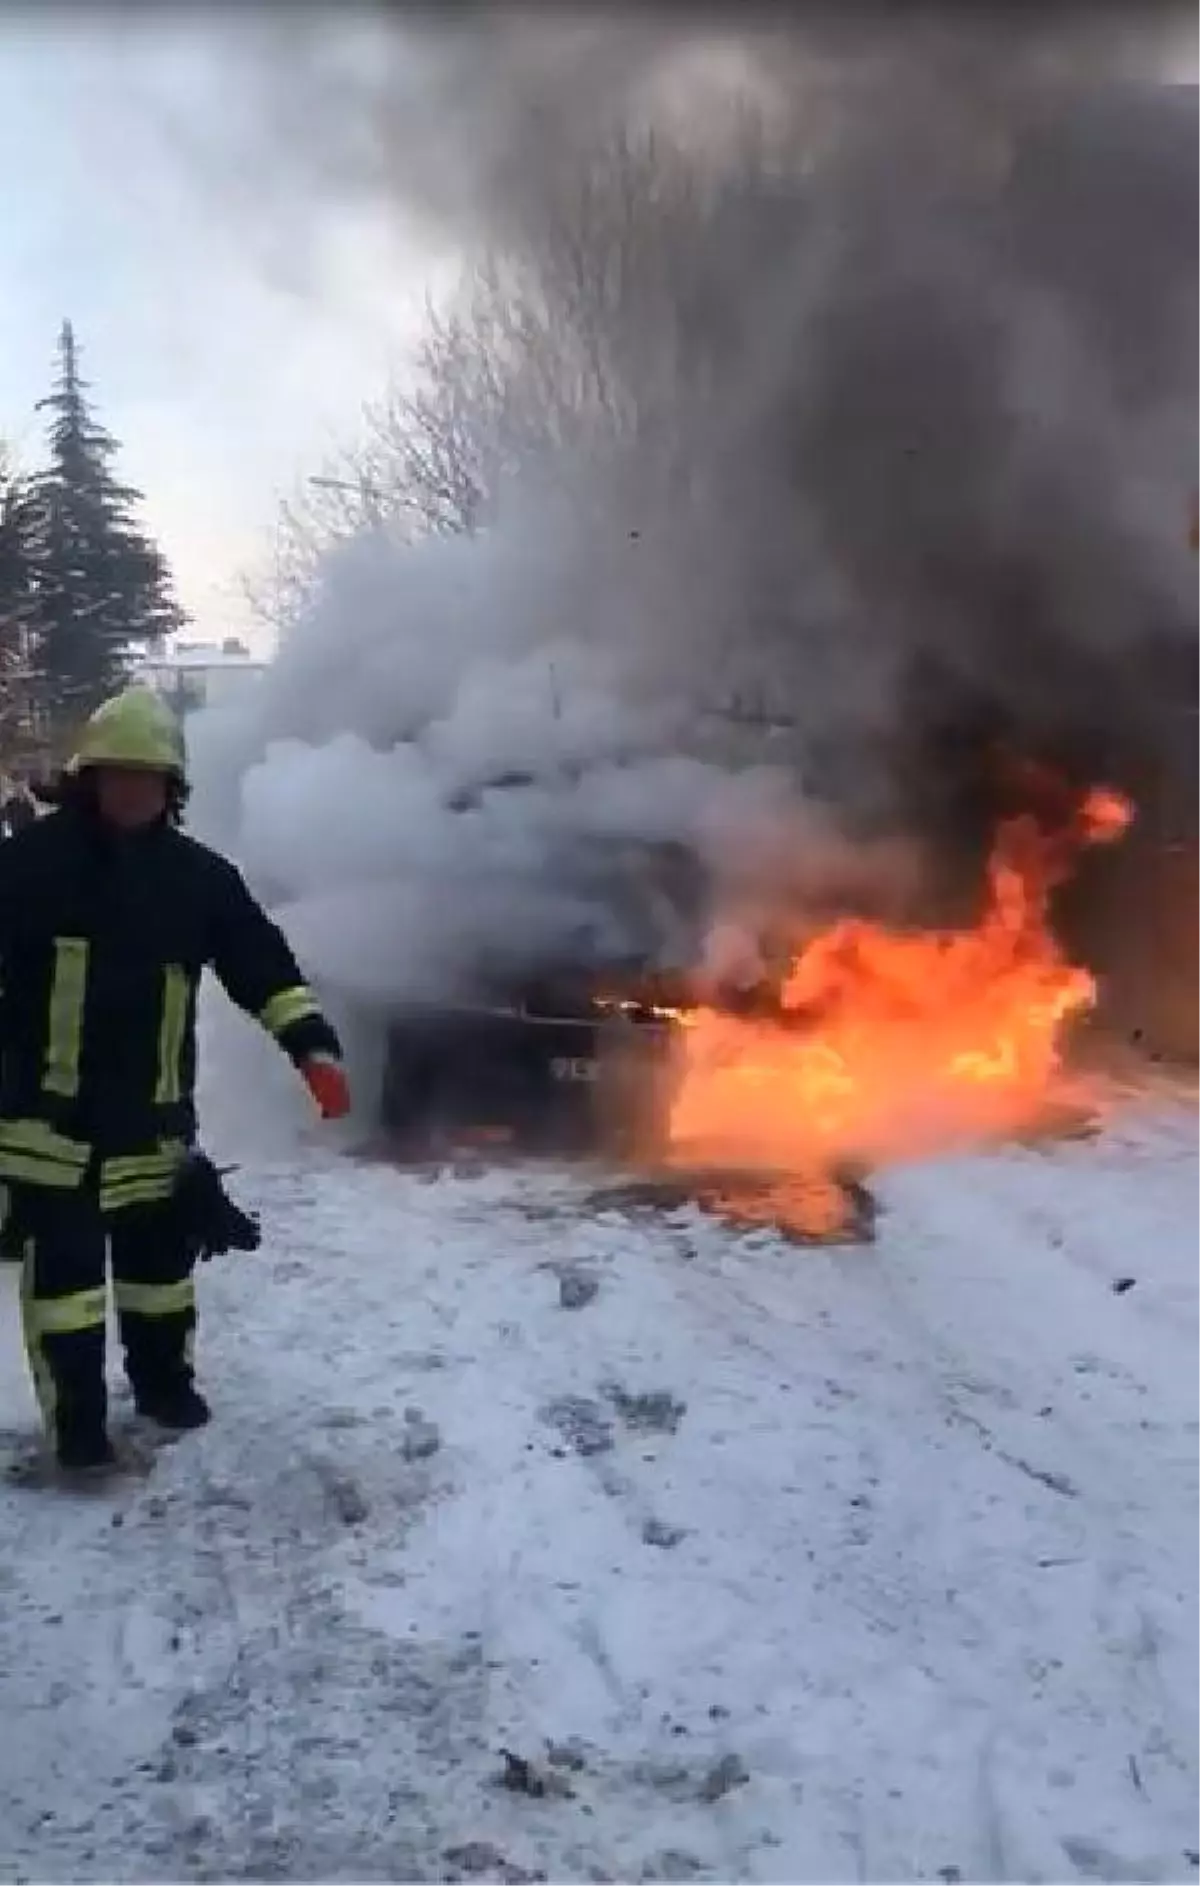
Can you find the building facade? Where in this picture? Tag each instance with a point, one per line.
(191, 675)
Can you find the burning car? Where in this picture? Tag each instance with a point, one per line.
(875, 1041)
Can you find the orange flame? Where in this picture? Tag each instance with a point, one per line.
(891, 1043)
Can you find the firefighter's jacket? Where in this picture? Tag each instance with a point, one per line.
(103, 939)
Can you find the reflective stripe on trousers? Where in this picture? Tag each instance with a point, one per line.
(154, 1299)
(140, 1178)
(76, 1314)
(65, 1242)
(32, 1153)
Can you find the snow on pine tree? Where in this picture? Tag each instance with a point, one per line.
(104, 586)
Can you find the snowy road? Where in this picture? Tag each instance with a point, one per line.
(811, 1565)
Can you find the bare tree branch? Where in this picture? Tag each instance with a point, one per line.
(600, 339)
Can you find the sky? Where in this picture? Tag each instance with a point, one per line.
(226, 374)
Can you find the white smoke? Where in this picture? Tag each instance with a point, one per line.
(431, 782)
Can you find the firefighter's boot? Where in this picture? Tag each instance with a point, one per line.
(87, 1451)
(177, 1405)
(158, 1362)
(70, 1376)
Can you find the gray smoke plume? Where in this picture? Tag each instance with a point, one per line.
(446, 779)
(458, 117)
(936, 471)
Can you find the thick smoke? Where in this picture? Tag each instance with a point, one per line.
(460, 114)
(450, 776)
(936, 471)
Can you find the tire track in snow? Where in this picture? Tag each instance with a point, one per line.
(881, 1336)
(549, 1537)
(1134, 1527)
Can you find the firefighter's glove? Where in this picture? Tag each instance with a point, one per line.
(236, 1230)
(209, 1222)
(326, 1081)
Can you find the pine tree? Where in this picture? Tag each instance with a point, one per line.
(104, 587)
(20, 616)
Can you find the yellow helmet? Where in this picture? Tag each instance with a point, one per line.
(135, 728)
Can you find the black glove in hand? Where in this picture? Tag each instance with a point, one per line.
(209, 1221)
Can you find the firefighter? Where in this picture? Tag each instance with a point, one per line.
(108, 915)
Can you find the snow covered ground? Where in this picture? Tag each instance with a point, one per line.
(775, 1564)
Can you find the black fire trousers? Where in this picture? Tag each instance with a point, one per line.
(64, 1239)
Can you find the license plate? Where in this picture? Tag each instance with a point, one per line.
(571, 1067)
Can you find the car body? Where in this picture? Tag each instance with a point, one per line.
(567, 1055)
(546, 1072)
